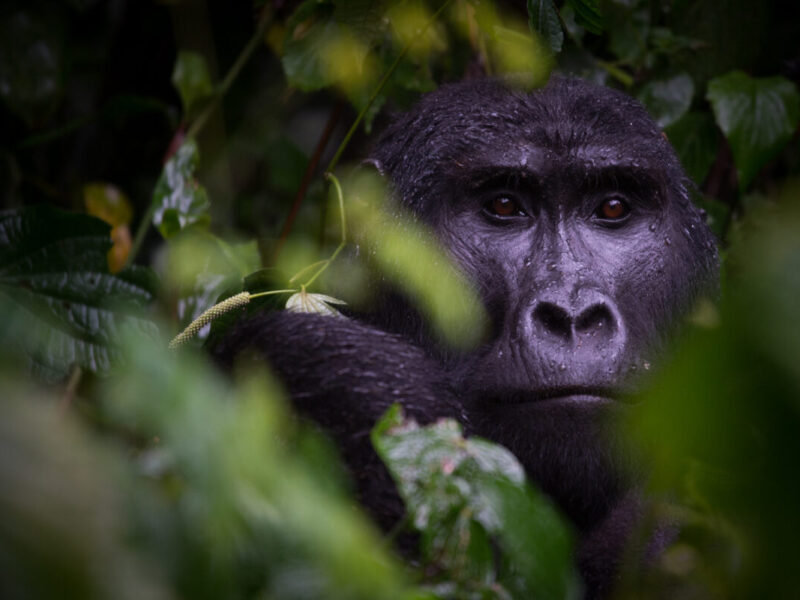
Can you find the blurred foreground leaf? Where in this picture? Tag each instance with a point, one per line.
(463, 495)
(408, 256)
(255, 501)
(60, 304)
(518, 54)
(758, 116)
(63, 529)
(320, 50)
(721, 426)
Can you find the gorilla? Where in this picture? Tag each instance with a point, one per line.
(568, 210)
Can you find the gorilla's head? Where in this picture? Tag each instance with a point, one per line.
(569, 211)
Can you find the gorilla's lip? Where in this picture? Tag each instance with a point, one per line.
(577, 394)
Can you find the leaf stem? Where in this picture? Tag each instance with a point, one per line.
(141, 231)
(340, 198)
(307, 268)
(271, 293)
(333, 119)
(616, 72)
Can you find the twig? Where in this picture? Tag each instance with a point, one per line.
(333, 119)
(340, 198)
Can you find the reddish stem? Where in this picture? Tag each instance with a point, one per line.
(308, 176)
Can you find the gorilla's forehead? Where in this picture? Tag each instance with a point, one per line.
(569, 126)
(538, 161)
(545, 128)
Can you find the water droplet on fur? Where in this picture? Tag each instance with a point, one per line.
(667, 241)
(562, 367)
(646, 365)
(652, 226)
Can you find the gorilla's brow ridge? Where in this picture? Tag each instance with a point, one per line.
(630, 176)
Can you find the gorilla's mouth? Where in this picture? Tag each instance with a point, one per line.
(571, 394)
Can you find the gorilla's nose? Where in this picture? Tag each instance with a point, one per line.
(591, 323)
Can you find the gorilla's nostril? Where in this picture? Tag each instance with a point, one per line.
(595, 317)
(553, 318)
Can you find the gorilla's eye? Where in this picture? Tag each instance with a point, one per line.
(613, 209)
(503, 206)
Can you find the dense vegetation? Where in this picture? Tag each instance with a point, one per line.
(159, 157)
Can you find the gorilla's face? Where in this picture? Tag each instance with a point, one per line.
(569, 212)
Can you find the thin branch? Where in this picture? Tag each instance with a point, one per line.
(340, 198)
(333, 119)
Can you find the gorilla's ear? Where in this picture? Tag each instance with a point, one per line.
(375, 164)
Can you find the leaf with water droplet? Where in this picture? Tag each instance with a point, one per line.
(180, 201)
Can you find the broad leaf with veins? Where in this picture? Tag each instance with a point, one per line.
(60, 304)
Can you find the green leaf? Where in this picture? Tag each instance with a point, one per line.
(322, 49)
(63, 504)
(364, 17)
(694, 138)
(521, 55)
(258, 492)
(668, 99)
(191, 78)
(61, 306)
(544, 22)
(461, 494)
(573, 29)
(628, 31)
(304, 52)
(587, 13)
(180, 201)
(758, 116)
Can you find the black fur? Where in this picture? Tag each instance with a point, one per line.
(580, 304)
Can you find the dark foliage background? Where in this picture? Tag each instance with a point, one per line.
(159, 157)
